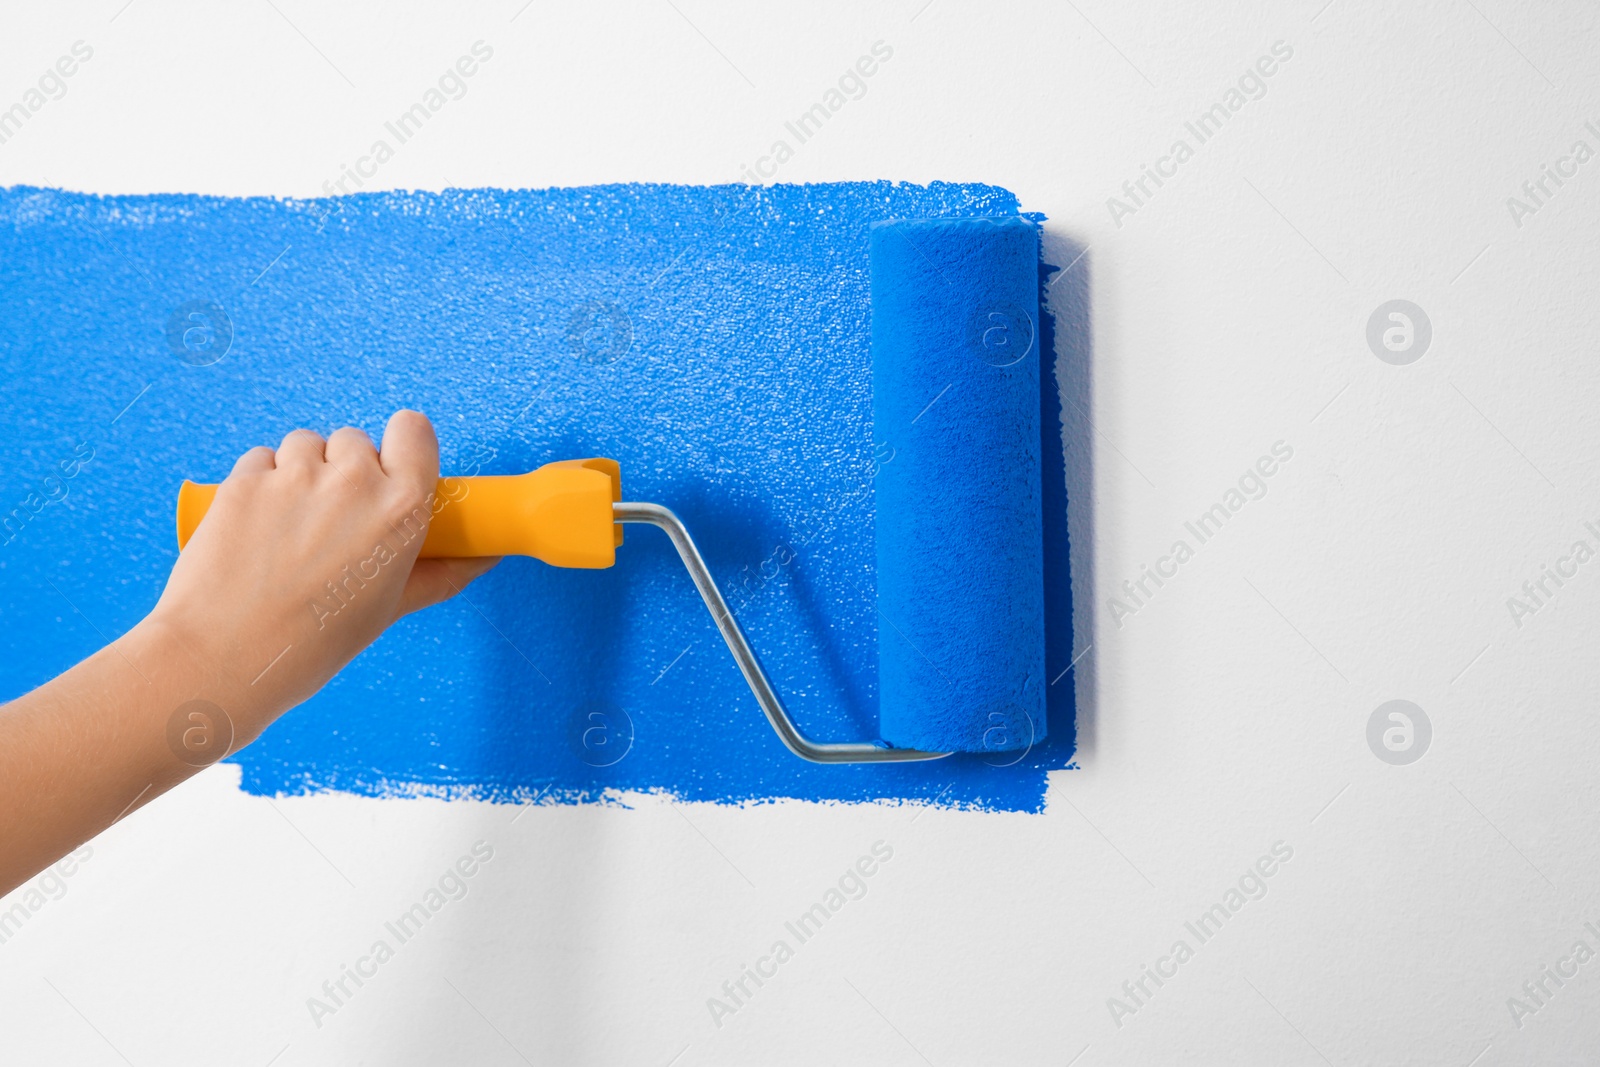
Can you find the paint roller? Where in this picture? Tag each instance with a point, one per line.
(956, 426)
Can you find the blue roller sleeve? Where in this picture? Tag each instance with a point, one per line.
(955, 378)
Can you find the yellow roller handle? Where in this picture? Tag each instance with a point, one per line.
(560, 513)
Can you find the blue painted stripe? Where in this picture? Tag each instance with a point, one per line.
(715, 340)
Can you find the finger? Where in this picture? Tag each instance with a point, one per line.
(351, 450)
(410, 451)
(300, 448)
(259, 458)
(435, 580)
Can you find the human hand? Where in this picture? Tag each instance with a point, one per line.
(306, 555)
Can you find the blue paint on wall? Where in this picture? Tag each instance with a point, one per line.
(715, 340)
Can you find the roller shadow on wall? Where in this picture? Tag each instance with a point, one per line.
(1066, 397)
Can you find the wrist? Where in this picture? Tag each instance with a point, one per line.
(186, 665)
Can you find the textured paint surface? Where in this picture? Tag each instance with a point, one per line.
(715, 340)
(955, 399)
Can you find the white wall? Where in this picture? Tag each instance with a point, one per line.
(1228, 313)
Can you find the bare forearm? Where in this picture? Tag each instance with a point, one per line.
(108, 736)
(235, 639)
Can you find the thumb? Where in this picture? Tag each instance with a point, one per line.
(433, 581)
